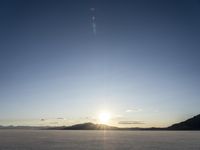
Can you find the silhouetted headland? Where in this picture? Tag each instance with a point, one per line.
(190, 124)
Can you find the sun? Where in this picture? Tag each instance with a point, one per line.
(104, 117)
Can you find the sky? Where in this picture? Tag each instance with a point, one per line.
(65, 61)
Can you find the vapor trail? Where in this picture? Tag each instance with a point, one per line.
(93, 21)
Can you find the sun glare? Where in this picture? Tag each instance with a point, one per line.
(104, 117)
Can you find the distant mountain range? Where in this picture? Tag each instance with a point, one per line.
(190, 124)
(87, 126)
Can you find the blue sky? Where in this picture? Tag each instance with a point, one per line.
(141, 65)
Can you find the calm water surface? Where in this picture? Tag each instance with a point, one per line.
(99, 140)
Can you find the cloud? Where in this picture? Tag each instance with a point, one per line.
(119, 116)
(92, 9)
(60, 118)
(129, 110)
(93, 21)
(134, 110)
(94, 27)
(131, 122)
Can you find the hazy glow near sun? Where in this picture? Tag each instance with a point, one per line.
(104, 117)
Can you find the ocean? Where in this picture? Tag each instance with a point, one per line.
(98, 140)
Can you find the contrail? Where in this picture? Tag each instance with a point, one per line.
(93, 21)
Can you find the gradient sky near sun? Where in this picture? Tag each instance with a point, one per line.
(142, 64)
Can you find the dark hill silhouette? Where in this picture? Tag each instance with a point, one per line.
(190, 124)
(90, 126)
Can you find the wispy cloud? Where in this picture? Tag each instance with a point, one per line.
(129, 110)
(131, 122)
(93, 21)
(119, 116)
(134, 110)
(60, 118)
(94, 28)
